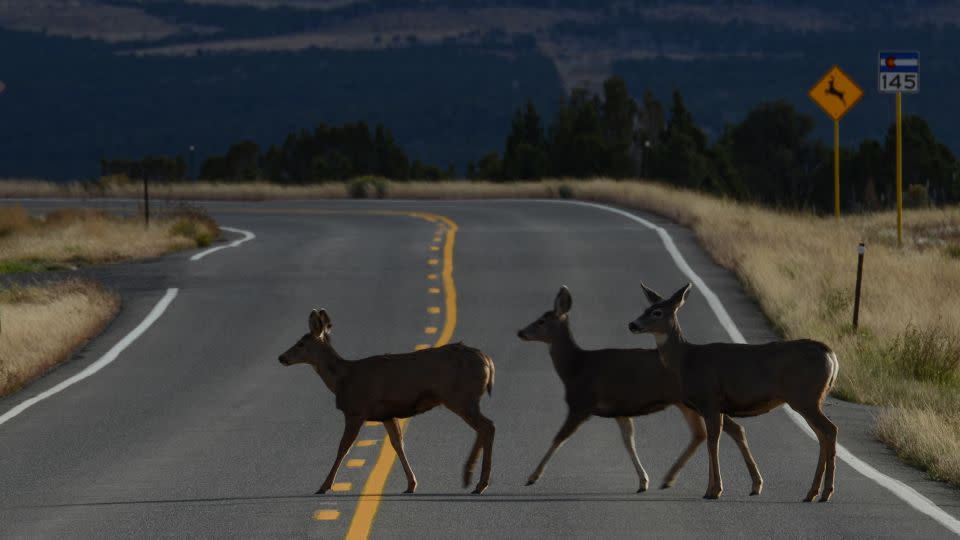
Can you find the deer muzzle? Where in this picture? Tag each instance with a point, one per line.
(634, 327)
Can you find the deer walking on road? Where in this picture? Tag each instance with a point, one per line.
(620, 384)
(720, 380)
(388, 387)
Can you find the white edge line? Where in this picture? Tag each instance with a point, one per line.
(247, 236)
(101, 362)
(903, 491)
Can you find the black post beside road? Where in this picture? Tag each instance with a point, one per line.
(146, 201)
(856, 298)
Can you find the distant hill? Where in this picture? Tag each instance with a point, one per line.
(122, 78)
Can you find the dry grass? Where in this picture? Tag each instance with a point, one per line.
(71, 236)
(42, 325)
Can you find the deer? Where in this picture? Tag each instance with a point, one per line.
(388, 387)
(619, 384)
(722, 380)
(832, 90)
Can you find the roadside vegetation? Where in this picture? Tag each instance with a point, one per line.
(41, 325)
(68, 237)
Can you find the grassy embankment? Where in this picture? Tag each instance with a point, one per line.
(40, 325)
(69, 237)
(800, 268)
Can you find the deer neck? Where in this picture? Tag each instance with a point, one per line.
(330, 366)
(672, 348)
(565, 352)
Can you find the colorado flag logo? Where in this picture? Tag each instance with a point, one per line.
(899, 62)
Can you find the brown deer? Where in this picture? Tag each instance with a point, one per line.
(618, 383)
(388, 387)
(720, 380)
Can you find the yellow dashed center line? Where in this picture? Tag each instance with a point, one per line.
(326, 515)
(370, 496)
(371, 423)
(434, 290)
(365, 442)
(421, 346)
(355, 463)
(340, 487)
(434, 248)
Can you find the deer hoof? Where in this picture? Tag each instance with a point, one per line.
(711, 496)
(531, 481)
(826, 497)
(320, 491)
(666, 485)
(755, 492)
(642, 489)
(479, 490)
(809, 498)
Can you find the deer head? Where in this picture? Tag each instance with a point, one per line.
(551, 323)
(660, 319)
(314, 347)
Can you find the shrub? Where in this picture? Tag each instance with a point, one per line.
(565, 191)
(926, 354)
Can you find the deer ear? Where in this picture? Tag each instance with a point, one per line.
(319, 322)
(652, 296)
(563, 302)
(680, 297)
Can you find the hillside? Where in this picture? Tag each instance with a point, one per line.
(123, 78)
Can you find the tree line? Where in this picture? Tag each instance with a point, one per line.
(770, 157)
(323, 154)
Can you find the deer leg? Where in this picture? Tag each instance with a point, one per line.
(472, 461)
(350, 430)
(396, 439)
(697, 435)
(569, 426)
(737, 433)
(485, 432)
(714, 424)
(626, 430)
(826, 463)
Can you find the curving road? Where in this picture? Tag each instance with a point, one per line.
(195, 430)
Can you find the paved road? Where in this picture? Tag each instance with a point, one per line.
(197, 431)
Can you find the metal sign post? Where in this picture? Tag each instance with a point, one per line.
(836, 94)
(899, 72)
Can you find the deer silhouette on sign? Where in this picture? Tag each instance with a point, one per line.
(832, 90)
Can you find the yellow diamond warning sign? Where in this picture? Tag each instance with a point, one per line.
(836, 93)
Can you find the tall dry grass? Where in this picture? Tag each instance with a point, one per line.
(73, 236)
(41, 325)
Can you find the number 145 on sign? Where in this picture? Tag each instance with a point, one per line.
(898, 82)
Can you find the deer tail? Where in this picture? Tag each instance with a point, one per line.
(492, 371)
(834, 369)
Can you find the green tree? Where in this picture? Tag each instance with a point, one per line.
(619, 117)
(525, 155)
(926, 161)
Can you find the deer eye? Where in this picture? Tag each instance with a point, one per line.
(656, 314)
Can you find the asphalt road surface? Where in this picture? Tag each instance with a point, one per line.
(195, 429)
